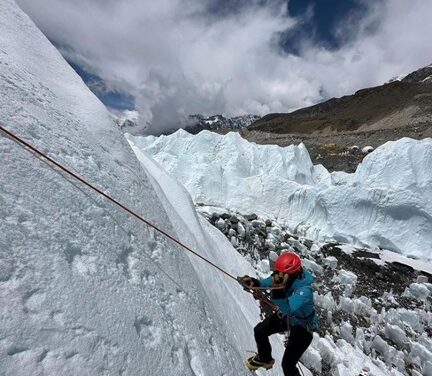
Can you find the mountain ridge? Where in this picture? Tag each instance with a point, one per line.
(215, 122)
(406, 102)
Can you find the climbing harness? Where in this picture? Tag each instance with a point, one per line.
(18, 140)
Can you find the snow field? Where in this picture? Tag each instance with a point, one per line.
(386, 203)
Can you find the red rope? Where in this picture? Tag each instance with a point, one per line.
(91, 186)
(22, 142)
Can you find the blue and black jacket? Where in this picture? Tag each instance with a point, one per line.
(298, 302)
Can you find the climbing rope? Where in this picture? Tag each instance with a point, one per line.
(255, 292)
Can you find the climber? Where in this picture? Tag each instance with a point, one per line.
(291, 292)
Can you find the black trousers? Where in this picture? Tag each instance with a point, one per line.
(298, 341)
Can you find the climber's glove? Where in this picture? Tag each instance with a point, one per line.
(280, 281)
(248, 282)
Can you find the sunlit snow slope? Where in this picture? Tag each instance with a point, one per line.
(84, 288)
(387, 202)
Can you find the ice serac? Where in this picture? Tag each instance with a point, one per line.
(387, 202)
(84, 288)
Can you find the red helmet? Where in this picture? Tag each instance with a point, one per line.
(288, 263)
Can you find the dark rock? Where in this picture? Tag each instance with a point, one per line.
(250, 217)
(234, 219)
(268, 223)
(402, 267)
(308, 243)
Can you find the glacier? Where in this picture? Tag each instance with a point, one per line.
(386, 203)
(84, 288)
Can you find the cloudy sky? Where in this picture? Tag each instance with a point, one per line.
(172, 58)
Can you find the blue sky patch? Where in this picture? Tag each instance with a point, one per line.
(319, 21)
(114, 99)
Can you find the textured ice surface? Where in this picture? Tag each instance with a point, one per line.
(346, 277)
(387, 202)
(84, 288)
(418, 291)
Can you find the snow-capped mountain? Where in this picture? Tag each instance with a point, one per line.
(197, 123)
(84, 288)
(128, 121)
(420, 76)
(385, 203)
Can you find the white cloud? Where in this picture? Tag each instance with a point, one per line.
(177, 60)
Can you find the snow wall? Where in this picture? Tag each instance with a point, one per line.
(386, 203)
(84, 288)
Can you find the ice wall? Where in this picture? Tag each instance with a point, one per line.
(387, 202)
(84, 288)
